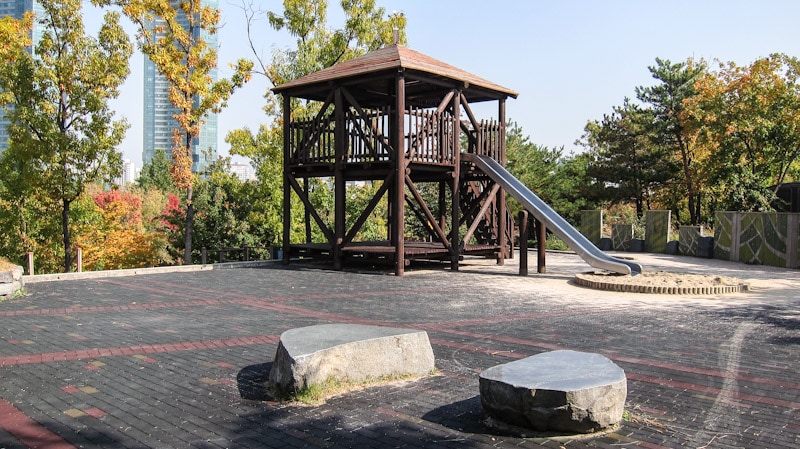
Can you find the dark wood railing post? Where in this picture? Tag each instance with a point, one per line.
(541, 247)
(523, 243)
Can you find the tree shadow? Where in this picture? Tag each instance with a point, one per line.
(253, 382)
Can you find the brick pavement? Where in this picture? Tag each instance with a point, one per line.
(179, 359)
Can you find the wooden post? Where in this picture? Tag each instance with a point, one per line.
(29, 258)
(442, 205)
(203, 255)
(501, 194)
(523, 243)
(455, 210)
(246, 253)
(541, 247)
(399, 200)
(339, 184)
(79, 259)
(287, 189)
(306, 212)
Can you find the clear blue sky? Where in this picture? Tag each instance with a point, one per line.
(571, 61)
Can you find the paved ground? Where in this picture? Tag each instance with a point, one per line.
(179, 359)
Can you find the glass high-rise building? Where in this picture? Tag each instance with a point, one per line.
(16, 9)
(159, 113)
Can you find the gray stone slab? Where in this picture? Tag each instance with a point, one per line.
(348, 352)
(566, 391)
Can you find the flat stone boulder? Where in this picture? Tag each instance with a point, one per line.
(561, 391)
(348, 352)
(10, 279)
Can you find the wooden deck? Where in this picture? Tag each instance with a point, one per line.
(383, 251)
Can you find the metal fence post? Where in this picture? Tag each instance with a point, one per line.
(203, 255)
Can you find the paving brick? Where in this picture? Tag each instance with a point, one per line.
(172, 352)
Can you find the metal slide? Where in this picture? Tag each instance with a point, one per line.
(554, 222)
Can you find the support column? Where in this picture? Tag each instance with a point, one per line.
(455, 211)
(541, 247)
(287, 189)
(339, 184)
(501, 194)
(398, 226)
(523, 243)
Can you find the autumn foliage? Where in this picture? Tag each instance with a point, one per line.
(116, 237)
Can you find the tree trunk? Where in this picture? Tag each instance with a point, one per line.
(187, 237)
(65, 232)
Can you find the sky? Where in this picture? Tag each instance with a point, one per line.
(571, 61)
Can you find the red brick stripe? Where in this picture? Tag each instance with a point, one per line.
(27, 431)
(133, 350)
(712, 391)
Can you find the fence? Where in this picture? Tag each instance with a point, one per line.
(759, 238)
(224, 254)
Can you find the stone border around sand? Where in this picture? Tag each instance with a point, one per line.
(618, 284)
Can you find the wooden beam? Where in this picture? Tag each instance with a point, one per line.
(501, 195)
(339, 184)
(368, 210)
(455, 203)
(428, 214)
(309, 140)
(523, 242)
(480, 214)
(304, 198)
(287, 192)
(445, 101)
(398, 216)
(468, 110)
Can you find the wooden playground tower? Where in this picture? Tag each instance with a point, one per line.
(401, 118)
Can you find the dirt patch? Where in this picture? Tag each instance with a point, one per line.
(662, 282)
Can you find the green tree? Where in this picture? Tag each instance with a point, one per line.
(561, 181)
(171, 35)
(61, 128)
(750, 118)
(155, 174)
(627, 165)
(533, 164)
(676, 84)
(317, 46)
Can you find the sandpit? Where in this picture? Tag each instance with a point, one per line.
(662, 282)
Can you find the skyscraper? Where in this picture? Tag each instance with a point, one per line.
(16, 9)
(159, 112)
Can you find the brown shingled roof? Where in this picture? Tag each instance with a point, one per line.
(388, 60)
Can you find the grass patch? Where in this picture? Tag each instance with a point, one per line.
(317, 394)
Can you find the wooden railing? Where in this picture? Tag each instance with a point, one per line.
(429, 137)
(488, 140)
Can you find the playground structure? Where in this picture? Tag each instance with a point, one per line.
(405, 119)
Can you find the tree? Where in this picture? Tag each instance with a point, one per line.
(171, 35)
(666, 99)
(113, 235)
(750, 117)
(155, 174)
(366, 28)
(626, 163)
(266, 156)
(561, 181)
(61, 127)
